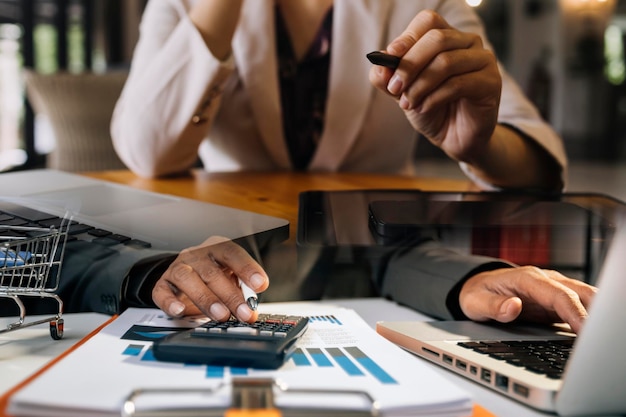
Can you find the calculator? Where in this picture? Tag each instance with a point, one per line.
(265, 344)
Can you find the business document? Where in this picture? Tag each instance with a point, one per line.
(339, 353)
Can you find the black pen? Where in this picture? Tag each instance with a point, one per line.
(383, 59)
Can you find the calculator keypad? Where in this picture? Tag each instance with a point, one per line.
(266, 326)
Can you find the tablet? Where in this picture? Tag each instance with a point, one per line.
(566, 231)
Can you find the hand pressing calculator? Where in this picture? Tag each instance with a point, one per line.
(266, 343)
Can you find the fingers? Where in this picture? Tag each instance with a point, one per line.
(571, 299)
(205, 279)
(172, 301)
(437, 56)
(431, 52)
(483, 305)
(235, 258)
(449, 77)
(424, 21)
(527, 293)
(447, 82)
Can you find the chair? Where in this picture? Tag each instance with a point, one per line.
(79, 108)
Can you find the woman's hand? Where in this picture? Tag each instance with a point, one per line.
(448, 84)
(527, 293)
(204, 280)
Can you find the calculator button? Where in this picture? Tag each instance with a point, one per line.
(274, 318)
(242, 330)
(200, 330)
(293, 320)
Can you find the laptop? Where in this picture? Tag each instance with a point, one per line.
(160, 221)
(590, 382)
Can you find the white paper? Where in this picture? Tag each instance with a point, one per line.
(339, 352)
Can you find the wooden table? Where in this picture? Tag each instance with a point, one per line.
(272, 193)
(276, 194)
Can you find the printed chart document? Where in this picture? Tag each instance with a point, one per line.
(340, 357)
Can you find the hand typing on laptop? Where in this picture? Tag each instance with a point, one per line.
(529, 293)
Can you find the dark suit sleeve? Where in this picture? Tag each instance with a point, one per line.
(97, 278)
(428, 276)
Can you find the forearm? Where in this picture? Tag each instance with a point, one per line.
(511, 160)
(95, 277)
(426, 277)
(216, 20)
(153, 127)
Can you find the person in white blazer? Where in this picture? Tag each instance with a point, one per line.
(203, 83)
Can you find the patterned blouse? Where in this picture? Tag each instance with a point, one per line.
(303, 90)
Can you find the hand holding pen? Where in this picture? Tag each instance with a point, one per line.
(447, 83)
(210, 279)
(249, 295)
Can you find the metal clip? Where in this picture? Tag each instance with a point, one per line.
(253, 397)
(250, 397)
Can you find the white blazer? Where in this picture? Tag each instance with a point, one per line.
(174, 80)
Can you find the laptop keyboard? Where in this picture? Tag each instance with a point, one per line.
(12, 214)
(545, 357)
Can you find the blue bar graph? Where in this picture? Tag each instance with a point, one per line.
(319, 357)
(132, 350)
(238, 371)
(299, 358)
(214, 372)
(344, 362)
(352, 360)
(371, 366)
(328, 319)
(149, 355)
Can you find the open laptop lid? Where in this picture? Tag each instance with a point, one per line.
(167, 222)
(596, 372)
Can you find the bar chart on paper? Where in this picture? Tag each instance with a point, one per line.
(339, 353)
(348, 359)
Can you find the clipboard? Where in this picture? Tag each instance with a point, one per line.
(249, 397)
(255, 398)
(4, 399)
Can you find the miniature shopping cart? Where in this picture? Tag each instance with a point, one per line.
(30, 266)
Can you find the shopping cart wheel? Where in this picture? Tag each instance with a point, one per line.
(56, 329)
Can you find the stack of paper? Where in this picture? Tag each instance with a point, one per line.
(338, 353)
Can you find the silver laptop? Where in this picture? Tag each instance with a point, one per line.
(164, 221)
(593, 380)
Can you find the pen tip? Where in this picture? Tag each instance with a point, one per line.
(253, 303)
